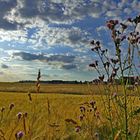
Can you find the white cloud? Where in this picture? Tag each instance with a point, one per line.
(73, 37)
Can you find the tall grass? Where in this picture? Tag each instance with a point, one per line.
(123, 65)
(113, 114)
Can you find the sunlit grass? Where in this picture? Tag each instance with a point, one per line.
(47, 114)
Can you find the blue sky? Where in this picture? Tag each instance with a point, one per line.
(55, 35)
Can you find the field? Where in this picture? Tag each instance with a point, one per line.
(66, 112)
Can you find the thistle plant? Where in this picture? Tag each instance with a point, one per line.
(118, 70)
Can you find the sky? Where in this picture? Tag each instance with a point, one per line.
(55, 35)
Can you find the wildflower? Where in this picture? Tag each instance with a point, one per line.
(77, 129)
(96, 134)
(117, 40)
(92, 65)
(137, 19)
(98, 43)
(25, 114)
(110, 25)
(19, 135)
(114, 95)
(90, 110)
(92, 42)
(19, 115)
(96, 48)
(92, 103)
(2, 109)
(82, 109)
(106, 64)
(114, 61)
(104, 51)
(11, 106)
(81, 117)
(101, 78)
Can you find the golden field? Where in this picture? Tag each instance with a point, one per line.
(55, 116)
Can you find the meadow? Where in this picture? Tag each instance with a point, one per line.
(63, 112)
(81, 111)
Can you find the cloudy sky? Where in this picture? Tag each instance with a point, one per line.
(55, 35)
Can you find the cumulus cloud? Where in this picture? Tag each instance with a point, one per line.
(73, 37)
(41, 57)
(19, 16)
(15, 12)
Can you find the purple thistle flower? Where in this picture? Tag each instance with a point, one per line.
(82, 109)
(114, 94)
(92, 102)
(19, 115)
(77, 129)
(19, 134)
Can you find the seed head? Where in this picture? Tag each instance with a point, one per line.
(11, 106)
(25, 114)
(2, 109)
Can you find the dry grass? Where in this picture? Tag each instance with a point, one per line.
(79, 89)
(47, 113)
